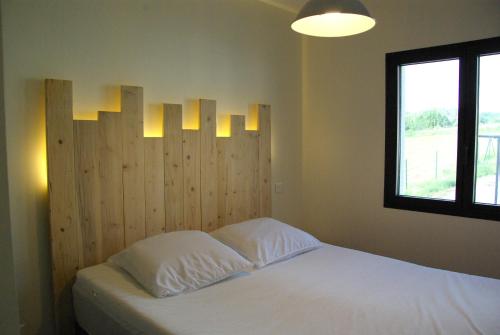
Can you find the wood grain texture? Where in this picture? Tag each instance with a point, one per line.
(67, 255)
(109, 186)
(86, 137)
(265, 160)
(133, 163)
(223, 173)
(154, 186)
(208, 162)
(174, 177)
(235, 194)
(238, 163)
(111, 182)
(252, 194)
(192, 183)
(243, 180)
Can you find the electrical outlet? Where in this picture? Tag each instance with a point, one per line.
(278, 187)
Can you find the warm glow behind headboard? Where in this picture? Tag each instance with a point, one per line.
(112, 182)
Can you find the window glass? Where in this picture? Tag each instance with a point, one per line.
(487, 169)
(428, 127)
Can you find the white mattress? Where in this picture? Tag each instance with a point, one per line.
(331, 290)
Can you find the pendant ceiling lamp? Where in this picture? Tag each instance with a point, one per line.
(333, 18)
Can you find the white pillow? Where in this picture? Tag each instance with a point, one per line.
(172, 263)
(264, 241)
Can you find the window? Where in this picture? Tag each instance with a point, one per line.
(443, 129)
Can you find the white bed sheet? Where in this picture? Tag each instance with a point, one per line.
(330, 290)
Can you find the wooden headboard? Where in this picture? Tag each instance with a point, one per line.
(109, 186)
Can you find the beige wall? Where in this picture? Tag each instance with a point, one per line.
(236, 51)
(343, 138)
(9, 311)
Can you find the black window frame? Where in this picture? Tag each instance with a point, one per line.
(468, 54)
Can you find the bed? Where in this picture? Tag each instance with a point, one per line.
(111, 187)
(330, 290)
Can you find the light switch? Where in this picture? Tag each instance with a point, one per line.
(278, 187)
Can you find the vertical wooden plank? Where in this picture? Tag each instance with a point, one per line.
(154, 186)
(208, 161)
(265, 160)
(235, 212)
(223, 172)
(238, 164)
(64, 225)
(191, 171)
(252, 192)
(237, 125)
(227, 164)
(174, 179)
(133, 163)
(243, 178)
(87, 183)
(111, 183)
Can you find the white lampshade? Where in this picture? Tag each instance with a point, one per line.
(333, 18)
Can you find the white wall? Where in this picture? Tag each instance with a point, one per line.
(343, 138)
(235, 51)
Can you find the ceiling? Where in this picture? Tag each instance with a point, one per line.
(289, 5)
